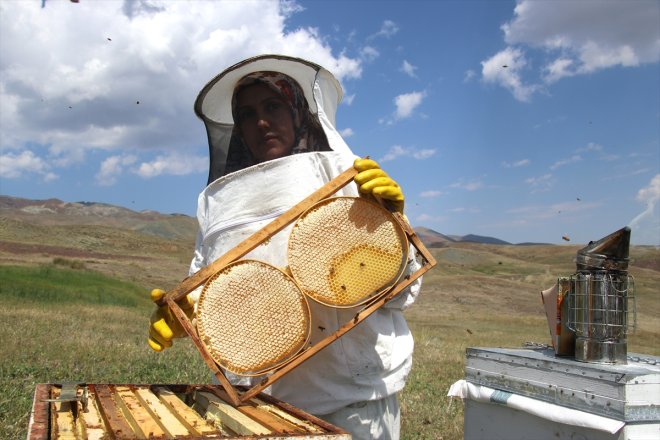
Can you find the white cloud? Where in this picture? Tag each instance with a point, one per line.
(423, 154)
(346, 132)
(557, 69)
(516, 164)
(560, 163)
(463, 209)
(174, 164)
(468, 186)
(394, 152)
(398, 151)
(577, 37)
(540, 212)
(593, 35)
(348, 99)
(650, 193)
(469, 75)
(112, 168)
(117, 75)
(431, 194)
(63, 157)
(504, 69)
(428, 218)
(541, 183)
(369, 53)
(591, 146)
(387, 30)
(290, 7)
(645, 227)
(24, 163)
(407, 103)
(408, 69)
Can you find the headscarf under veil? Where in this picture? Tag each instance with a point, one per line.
(309, 135)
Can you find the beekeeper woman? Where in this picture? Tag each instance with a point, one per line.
(273, 141)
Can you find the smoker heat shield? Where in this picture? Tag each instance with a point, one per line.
(608, 253)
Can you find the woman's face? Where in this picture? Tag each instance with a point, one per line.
(265, 122)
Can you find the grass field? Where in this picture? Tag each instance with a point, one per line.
(65, 322)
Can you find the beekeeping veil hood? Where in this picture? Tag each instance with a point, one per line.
(213, 105)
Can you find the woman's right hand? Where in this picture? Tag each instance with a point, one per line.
(163, 325)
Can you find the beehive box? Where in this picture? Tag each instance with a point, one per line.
(127, 411)
(566, 399)
(629, 392)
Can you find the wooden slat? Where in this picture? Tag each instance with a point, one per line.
(269, 419)
(303, 425)
(185, 414)
(326, 427)
(230, 416)
(201, 406)
(94, 426)
(38, 425)
(63, 422)
(65, 425)
(137, 415)
(115, 421)
(168, 421)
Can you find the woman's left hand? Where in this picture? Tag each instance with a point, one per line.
(372, 180)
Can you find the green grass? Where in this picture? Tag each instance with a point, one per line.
(57, 284)
(64, 325)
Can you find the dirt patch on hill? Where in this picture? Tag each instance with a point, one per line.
(30, 248)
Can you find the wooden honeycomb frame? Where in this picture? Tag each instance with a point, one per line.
(200, 277)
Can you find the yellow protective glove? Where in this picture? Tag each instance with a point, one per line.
(163, 325)
(373, 181)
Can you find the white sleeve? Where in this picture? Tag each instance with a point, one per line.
(198, 262)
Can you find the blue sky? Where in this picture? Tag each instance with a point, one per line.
(525, 121)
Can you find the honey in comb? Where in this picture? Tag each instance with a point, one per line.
(252, 317)
(345, 250)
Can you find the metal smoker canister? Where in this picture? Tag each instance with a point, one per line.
(601, 300)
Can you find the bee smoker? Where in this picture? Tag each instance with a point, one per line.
(601, 307)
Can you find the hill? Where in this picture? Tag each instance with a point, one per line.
(55, 212)
(433, 238)
(147, 247)
(52, 212)
(481, 239)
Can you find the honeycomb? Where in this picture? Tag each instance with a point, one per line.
(345, 250)
(252, 317)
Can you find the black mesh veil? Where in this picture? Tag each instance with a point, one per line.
(213, 105)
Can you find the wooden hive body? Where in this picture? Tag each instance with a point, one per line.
(120, 411)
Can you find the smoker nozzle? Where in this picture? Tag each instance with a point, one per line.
(608, 253)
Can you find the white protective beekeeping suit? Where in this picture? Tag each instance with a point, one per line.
(372, 360)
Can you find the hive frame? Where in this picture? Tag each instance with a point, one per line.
(190, 283)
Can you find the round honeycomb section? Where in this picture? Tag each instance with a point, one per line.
(252, 317)
(345, 250)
